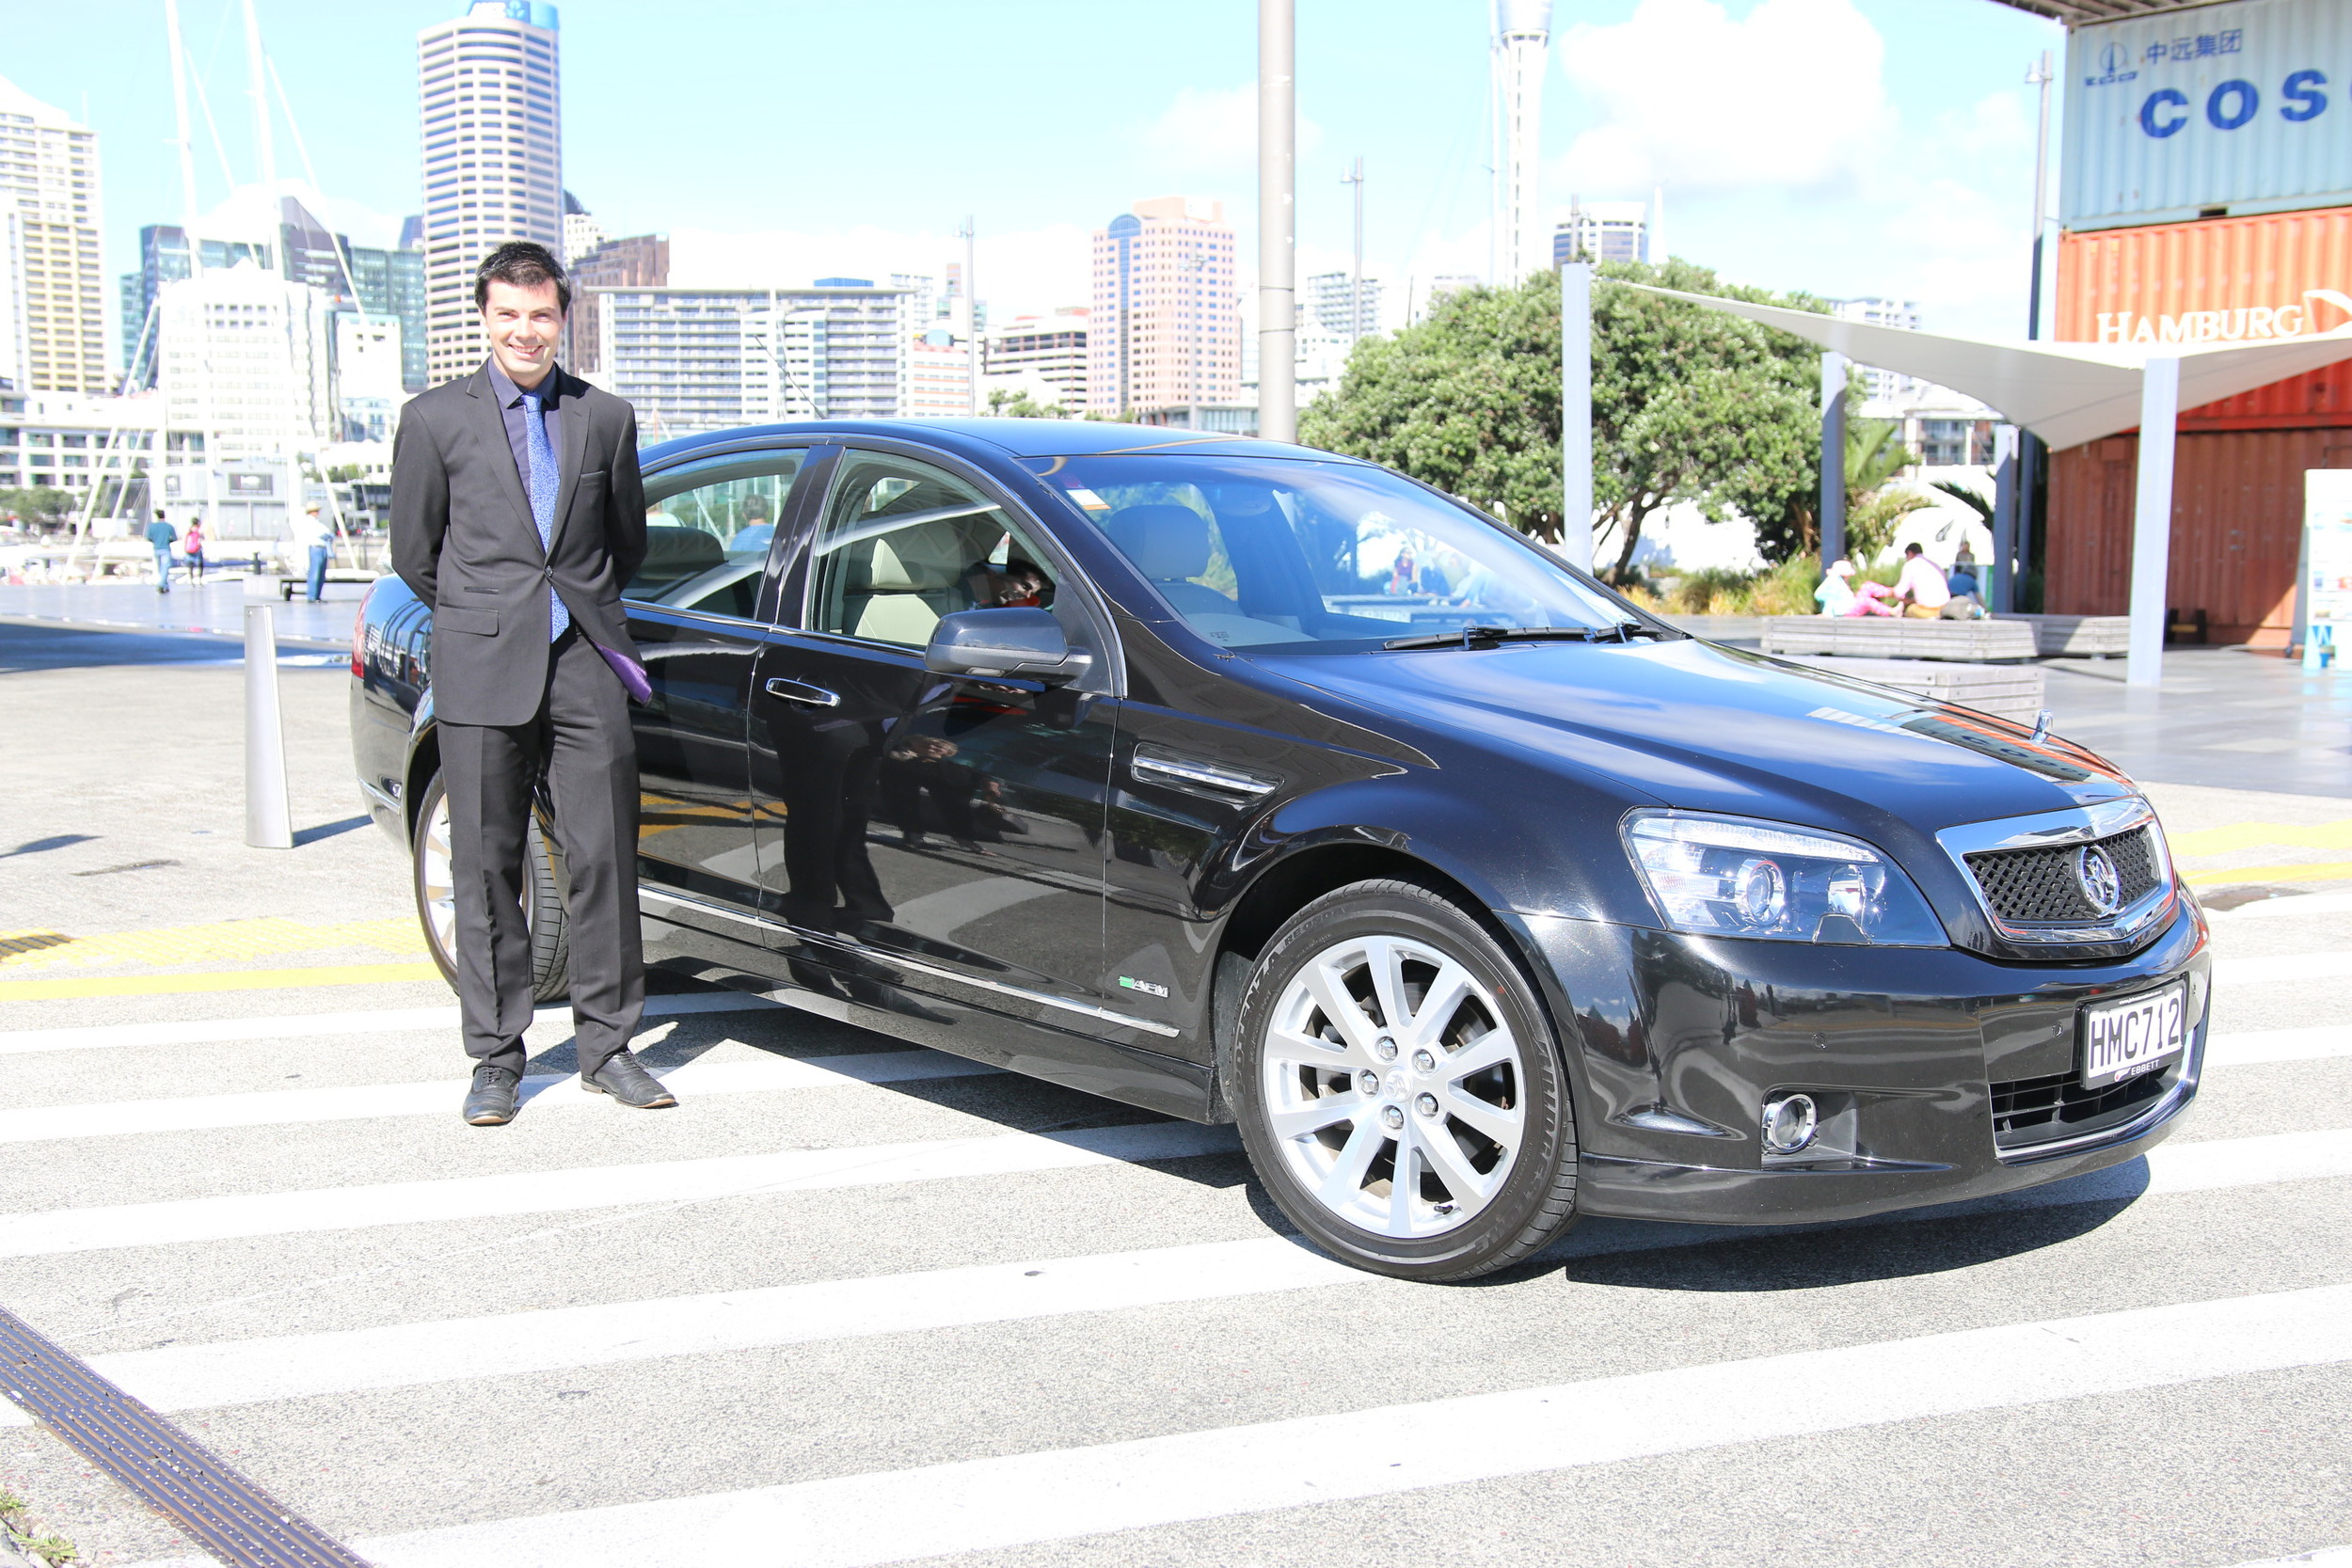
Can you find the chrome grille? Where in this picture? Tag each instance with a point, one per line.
(2038, 887)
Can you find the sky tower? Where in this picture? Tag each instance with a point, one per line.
(1522, 39)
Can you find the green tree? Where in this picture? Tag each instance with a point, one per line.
(1688, 404)
(41, 505)
(1020, 405)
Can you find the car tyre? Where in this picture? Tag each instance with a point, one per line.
(1385, 1026)
(543, 898)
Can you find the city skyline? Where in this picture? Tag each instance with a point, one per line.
(1923, 75)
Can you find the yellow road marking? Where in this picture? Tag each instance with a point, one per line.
(215, 942)
(2255, 836)
(235, 979)
(2320, 872)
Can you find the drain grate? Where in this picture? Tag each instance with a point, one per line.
(236, 1520)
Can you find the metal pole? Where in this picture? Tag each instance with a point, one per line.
(1576, 413)
(2152, 518)
(268, 825)
(1833, 500)
(1277, 300)
(2040, 76)
(971, 318)
(1356, 280)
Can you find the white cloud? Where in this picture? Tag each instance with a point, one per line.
(1792, 95)
(1214, 131)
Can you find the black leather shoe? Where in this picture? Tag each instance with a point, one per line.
(491, 1101)
(623, 1079)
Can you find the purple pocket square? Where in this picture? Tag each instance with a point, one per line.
(632, 672)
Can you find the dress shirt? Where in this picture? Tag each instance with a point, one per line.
(550, 391)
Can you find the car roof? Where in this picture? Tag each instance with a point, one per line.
(1014, 438)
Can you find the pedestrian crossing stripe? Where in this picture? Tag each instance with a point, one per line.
(1026, 1499)
(400, 1356)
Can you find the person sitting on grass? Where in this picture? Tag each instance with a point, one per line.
(1841, 595)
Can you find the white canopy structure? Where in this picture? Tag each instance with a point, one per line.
(2069, 393)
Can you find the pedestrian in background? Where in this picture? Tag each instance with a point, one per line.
(193, 548)
(160, 535)
(519, 514)
(312, 531)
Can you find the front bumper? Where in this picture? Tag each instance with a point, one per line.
(1678, 1041)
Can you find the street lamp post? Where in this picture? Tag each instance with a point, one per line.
(1277, 300)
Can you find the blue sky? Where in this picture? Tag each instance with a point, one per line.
(1842, 146)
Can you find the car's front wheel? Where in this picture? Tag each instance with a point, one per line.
(436, 898)
(1399, 1088)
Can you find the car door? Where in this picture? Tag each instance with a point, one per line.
(696, 610)
(942, 832)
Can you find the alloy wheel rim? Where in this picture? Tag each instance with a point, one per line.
(1393, 1086)
(437, 881)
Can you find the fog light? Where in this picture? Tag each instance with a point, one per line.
(1790, 1121)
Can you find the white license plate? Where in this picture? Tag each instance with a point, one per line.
(2123, 1039)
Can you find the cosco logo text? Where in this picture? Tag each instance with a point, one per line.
(2169, 110)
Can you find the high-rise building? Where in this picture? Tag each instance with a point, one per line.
(637, 262)
(582, 233)
(1602, 231)
(489, 92)
(163, 258)
(246, 360)
(1042, 356)
(391, 284)
(1883, 386)
(699, 359)
(1166, 328)
(1521, 41)
(1327, 299)
(53, 304)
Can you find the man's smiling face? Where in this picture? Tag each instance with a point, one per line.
(524, 325)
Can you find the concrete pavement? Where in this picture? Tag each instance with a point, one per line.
(855, 1303)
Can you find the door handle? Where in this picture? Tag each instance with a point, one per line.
(801, 691)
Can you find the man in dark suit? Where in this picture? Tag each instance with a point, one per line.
(518, 514)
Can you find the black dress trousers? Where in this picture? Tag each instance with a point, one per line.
(580, 741)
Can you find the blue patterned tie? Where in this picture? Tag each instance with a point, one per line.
(544, 476)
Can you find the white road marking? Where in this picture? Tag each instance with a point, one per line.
(305, 1025)
(2278, 1045)
(282, 1107)
(210, 1219)
(2340, 1557)
(1061, 1495)
(254, 1371)
(2287, 969)
(2298, 904)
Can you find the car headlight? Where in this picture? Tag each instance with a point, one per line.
(1735, 876)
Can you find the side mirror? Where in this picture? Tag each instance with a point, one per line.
(1024, 643)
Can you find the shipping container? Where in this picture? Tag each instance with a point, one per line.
(2203, 110)
(2237, 523)
(2220, 280)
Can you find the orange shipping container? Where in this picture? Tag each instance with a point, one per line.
(2237, 497)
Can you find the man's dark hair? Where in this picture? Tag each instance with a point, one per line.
(526, 267)
(159, 512)
(1912, 548)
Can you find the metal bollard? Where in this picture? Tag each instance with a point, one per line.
(268, 823)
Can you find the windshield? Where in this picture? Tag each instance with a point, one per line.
(1278, 555)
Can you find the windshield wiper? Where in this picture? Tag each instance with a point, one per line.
(1487, 636)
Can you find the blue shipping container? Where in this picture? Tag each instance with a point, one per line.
(2244, 106)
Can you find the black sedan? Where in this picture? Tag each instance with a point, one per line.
(1246, 783)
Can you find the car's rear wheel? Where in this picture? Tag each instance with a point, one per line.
(1399, 1088)
(437, 900)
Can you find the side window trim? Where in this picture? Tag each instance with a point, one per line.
(1111, 667)
(661, 485)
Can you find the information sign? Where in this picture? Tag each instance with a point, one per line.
(2323, 593)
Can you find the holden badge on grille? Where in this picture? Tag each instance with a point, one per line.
(2101, 884)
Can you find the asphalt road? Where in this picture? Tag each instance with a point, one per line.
(856, 1304)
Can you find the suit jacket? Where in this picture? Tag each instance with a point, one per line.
(464, 539)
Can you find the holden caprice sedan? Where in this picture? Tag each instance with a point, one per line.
(1244, 783)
